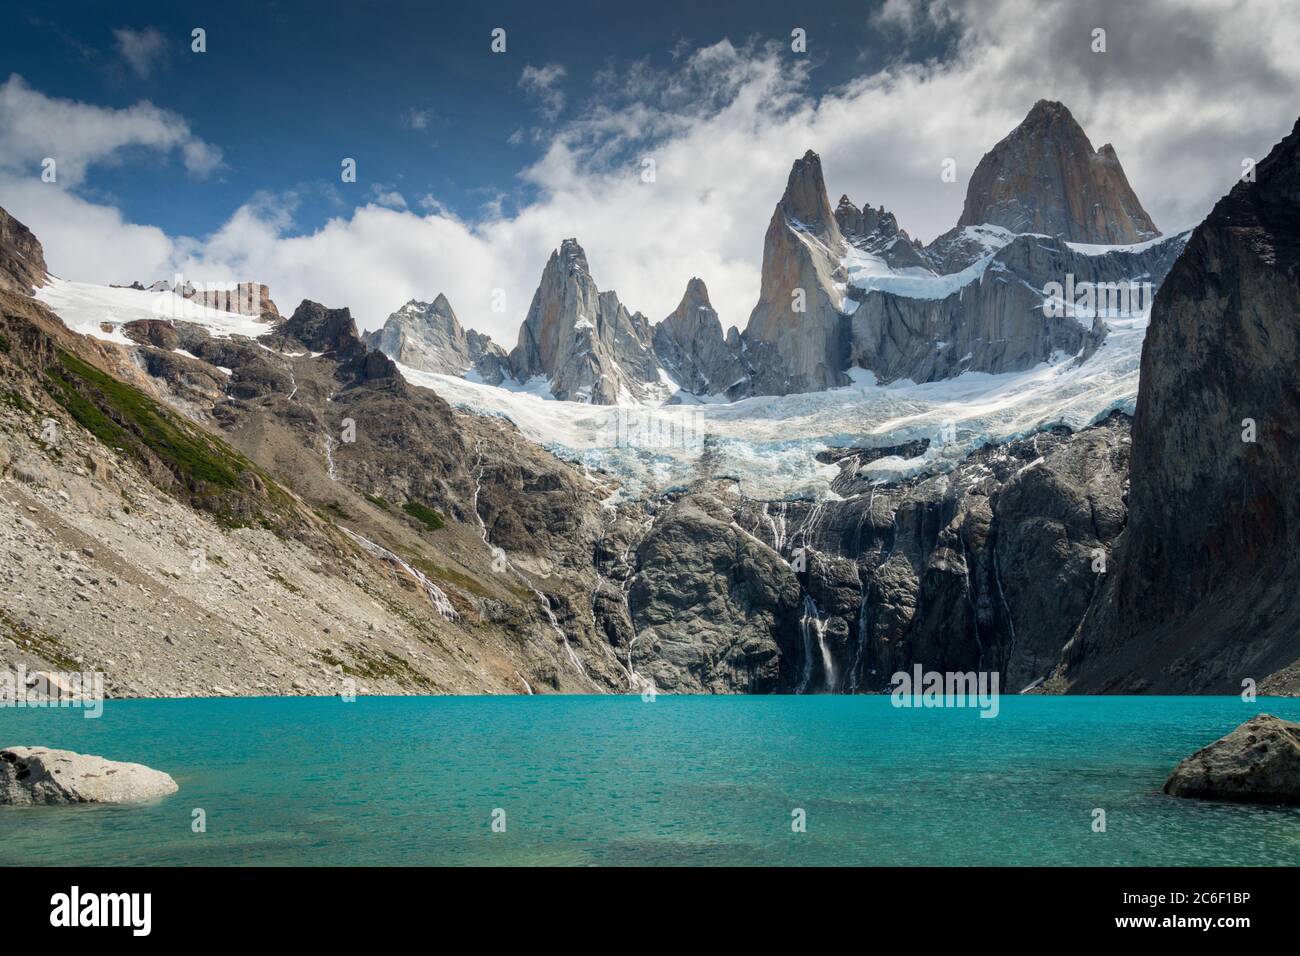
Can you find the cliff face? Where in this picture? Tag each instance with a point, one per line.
(584, 341)
(797, 332)
(996, 322)
(22, 260)
(1045, 177)
(1204, 595)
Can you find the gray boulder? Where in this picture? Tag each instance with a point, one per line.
(38, 775)
(1259, 762)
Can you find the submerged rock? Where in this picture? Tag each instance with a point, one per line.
(1259, 762)
(37, 775)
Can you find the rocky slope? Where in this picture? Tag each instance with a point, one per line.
(1204, 597)
(303, 517)
(1045, 177)
(22, 260)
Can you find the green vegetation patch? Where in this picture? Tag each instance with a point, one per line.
(451, 576)
(376, 666)
(425, 515)
(126, 417)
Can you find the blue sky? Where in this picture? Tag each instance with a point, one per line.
(472, 166)
(413, 93)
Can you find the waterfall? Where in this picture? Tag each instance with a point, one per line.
(437, 597)
(776, 524)
(329, 457)
(541, 598)
(812, 628)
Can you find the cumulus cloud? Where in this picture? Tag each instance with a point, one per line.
(542, 83)
(723, 127)
(77, 135)
(143, 50)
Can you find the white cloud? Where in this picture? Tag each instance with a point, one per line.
(76, 135)
(723, 128)
(143, 50)
(416, 118)
(542, 83)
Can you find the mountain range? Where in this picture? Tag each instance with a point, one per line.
(841, 289)
(204, 500)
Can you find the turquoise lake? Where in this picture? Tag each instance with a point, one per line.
(681, 780)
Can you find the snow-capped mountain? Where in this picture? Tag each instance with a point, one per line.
(847, 292)
(428, 336)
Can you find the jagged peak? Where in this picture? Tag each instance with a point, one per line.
(805, 196)
(1045, 111)
(1044, 176)
(696, 296)
(572, 255)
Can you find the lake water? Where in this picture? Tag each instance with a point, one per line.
(681, 780)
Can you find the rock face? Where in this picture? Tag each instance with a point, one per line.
(996, 322)
(714, 610)
(877, 232)
(1205, 595)
(246, 298)
(690, 345)
(797, 333)
(38, 775)
(583, 341)
(987, 567)
(429, 337)
(1259, 762)
(1045, 177)
(22, 260)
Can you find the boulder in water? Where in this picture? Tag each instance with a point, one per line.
(38, 775)
(1259, 762)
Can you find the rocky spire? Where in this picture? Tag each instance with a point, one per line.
(584, 341)
(690, 345)
(805, 199)
(1045, 177)
(796, 332)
